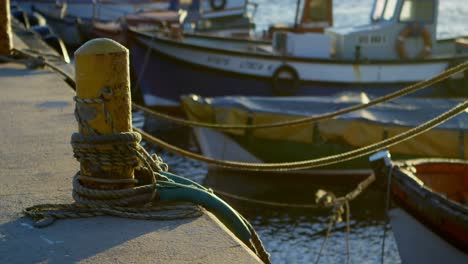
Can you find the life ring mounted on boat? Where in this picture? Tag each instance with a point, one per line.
(285, 81)
(218, 4)
(414, 30)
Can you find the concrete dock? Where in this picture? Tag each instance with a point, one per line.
(37, 166)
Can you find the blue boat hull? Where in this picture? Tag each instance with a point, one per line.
(164, 79)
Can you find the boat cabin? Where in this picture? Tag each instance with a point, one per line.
(210, 15)
(311, 16)
(398, 29)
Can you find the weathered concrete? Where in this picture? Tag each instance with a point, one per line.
(36, 166)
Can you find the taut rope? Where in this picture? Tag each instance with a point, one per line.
(405, 91)
(307, 164)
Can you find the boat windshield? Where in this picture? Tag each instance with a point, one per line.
(378, 9)
(316, 11)
(383, 10)
(417, 11)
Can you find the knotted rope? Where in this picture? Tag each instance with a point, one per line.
(139, 202)
(341, 206)
(136, 197)
(114, 152)
(324, 199)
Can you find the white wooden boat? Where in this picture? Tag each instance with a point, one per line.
(397, 48)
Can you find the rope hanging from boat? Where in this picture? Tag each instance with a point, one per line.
(320, 195)
(387, 209)
(405, 91)
(324, 199)
(307, 164)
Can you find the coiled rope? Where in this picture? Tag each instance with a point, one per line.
(313, 163)
(136, 197)
(405, 91)
(140, 202)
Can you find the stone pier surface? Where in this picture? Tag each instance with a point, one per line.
(37, 166)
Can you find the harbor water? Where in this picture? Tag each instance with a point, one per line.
(296, 236)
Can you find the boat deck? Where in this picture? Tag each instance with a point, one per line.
(442, 49)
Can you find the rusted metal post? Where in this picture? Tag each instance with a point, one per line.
(6, 43)
(102, 72)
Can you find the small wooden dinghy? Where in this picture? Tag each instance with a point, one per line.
(430, 221)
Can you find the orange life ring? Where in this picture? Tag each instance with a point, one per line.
(409, 31)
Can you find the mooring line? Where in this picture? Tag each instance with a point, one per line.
(405, 91)
(313, 163)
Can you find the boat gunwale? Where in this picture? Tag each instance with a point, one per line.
(428, 206)
(382, 85)
(156, 36)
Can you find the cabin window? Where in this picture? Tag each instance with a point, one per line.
(417, 11)
(389, 11)
(378, 9)
(317, 11)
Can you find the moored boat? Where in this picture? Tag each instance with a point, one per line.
(208, 17)
(67, 15)
(398, 47)
(430, 219)
(319, 139)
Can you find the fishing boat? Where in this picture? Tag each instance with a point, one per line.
(397, 48)
(318, 139)
(65, 16)
(430, 213)
(208, 17)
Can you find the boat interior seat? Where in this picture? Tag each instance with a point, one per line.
(448, 179)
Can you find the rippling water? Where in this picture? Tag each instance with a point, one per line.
(292, 235)
(295, 236)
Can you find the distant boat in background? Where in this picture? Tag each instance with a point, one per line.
(74, 19)
(399, 47)
(65, 15)
(430, 219)
(228, 17)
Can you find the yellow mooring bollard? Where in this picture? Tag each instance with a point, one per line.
(6, 43)
(103, 107)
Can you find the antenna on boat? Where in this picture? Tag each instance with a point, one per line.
(298, 9)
